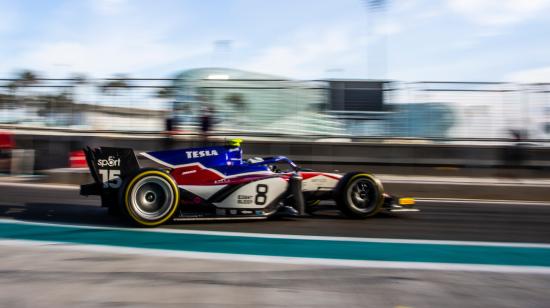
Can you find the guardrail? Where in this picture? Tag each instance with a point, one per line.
(52, 151)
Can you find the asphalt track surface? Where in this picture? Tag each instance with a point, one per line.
(437, 220)
(68, 274)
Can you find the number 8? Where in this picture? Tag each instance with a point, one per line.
(261, 194)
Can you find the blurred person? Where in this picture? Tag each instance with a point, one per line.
(515, 155)
(206, 122)
(169, 131)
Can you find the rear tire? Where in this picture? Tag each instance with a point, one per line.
(359, 195)
(149, 198)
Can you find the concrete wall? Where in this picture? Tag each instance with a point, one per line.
(52, 151)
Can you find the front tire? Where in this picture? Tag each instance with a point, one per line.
(150, 198)
(359, 195)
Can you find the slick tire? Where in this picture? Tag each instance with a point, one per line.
(359, 195)
(149, 198)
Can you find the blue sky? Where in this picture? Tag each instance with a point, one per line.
(411, 40)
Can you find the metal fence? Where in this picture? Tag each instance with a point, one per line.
(443, 110)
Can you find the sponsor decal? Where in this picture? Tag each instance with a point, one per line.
(201, 153)
(220, 212)
(246, 212)
(110, 178)
(254, 160)
(233, 212)
(188, 172)
(109, 162)
(222, 181)
(243, 199)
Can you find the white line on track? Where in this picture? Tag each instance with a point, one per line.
(40, 185)
(384, 178)
(296, 237)
(464, 183)
(425, 200)
(281, 260)
(482, 201)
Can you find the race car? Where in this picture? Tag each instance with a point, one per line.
(216, 183)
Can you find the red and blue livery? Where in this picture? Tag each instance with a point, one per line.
(216, 183)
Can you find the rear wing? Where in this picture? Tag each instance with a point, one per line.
(108, 167)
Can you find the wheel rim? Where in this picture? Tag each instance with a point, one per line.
(151, 198)
(361, 195)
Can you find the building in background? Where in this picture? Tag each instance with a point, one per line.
(248, 102)
(357, 96)
(38, 113)
(369, 108)
(242, 102)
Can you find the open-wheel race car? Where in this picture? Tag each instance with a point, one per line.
(215, 183)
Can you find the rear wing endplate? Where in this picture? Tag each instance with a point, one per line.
(108, 167)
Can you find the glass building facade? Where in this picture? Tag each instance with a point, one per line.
(251, 102)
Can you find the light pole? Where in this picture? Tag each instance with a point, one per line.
(374, 9)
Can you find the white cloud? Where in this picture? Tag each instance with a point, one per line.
(541, 74)
(109, 7)
(387, 28)
(405, 6)
(103, 58)
(498, 12)
(308, 54)
(311, 53)
(102, 46)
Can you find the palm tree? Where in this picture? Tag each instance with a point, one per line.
(236, 102)
(77, 80)
(238, 107)
(11, 99)
(23, 79)
(166, 92)
(28, 78)
(112, 86)
(12, 88)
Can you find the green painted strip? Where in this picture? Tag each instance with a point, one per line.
(345, 250)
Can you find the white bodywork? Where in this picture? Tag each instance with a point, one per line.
(319, 182)
(256, 194)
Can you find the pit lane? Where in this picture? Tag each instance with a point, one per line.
(68, 274)
(438, 220)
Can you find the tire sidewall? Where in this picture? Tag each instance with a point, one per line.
(341, 192)
(125, 192)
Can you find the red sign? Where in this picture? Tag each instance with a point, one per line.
(6, 141)
(77, 159)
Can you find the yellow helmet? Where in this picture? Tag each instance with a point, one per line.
(235, 142)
